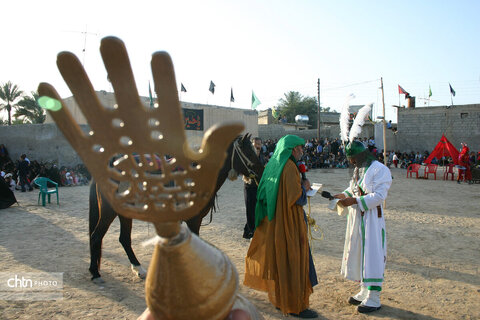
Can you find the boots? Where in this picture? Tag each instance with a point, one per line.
(359, 297)
(371, 302)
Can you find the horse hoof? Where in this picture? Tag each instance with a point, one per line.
(98, 280)
(139, 271)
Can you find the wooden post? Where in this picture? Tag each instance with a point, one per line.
(384, 134)
(318, 112)
(384, 126)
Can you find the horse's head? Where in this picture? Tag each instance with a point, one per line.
(245, 160)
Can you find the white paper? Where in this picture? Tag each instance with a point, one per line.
(335, 206)
(315, 187)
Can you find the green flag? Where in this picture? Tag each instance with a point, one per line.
(255, 101)
(274, 113)
(150, 94)
(429, 91)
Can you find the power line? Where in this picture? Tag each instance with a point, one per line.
(351, 85)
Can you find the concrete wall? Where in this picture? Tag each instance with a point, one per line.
(45, 142)
(420, 129)
(276, 131)
(265, 117)
(41, 142)
(391, 138)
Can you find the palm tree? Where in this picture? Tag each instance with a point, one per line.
(29, 109)
(9, 93)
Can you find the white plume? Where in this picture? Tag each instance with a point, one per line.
(345, 118)
(362, 114)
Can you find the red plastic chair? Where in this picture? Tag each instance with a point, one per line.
(449, 170)
(431, 169)
(413, 168)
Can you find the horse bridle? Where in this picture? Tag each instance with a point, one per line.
(247, 163)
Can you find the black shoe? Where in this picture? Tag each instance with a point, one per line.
(458, 181)
(354, 301)
(366, 309)
(248, 235)
(305, 314)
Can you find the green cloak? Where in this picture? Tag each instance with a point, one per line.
(268, 186)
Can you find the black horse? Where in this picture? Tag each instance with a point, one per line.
(241, 157)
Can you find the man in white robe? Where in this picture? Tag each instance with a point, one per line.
(365, 250)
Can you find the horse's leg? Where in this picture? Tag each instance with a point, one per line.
(126, 241)
(99, 222)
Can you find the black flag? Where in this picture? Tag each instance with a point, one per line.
(232, 99)
(182, 88)
(212, 87)
(452, 92)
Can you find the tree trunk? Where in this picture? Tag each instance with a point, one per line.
(9, 110)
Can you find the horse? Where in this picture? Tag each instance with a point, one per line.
(241, 159)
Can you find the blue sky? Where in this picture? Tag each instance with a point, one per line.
(271, 47)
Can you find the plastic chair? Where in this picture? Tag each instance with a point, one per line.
(449, 170)
(42, 183)
(431, 169)
(413, 168)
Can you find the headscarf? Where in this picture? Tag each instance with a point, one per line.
(465, 150)
(353, 148)
(363, 158)
(268, 186)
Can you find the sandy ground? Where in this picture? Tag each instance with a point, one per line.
(433, 232)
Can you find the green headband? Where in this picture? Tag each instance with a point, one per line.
(354, 148)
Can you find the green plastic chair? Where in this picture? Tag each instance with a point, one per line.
(42, 183)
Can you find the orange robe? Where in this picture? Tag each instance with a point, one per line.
(278, 258)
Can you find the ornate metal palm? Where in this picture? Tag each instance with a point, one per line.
(143, 150)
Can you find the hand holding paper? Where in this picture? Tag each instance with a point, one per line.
(314, 189)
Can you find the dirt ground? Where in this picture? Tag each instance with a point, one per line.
(433, 234)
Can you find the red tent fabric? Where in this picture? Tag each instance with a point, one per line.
(444, 149)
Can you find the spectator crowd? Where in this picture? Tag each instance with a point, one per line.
(19, 174)
(330, 153)
(318, 153)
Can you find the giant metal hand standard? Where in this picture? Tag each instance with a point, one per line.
(144, 148)
(143, 165)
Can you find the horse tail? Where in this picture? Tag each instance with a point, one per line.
(214, 204)
(94, 209)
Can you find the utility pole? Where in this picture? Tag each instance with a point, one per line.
(318, 112)
(384, 126)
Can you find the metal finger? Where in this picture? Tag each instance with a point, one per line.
(79, 83)
(167, 94)
(117, 63)
(216, 140)
(64, 120)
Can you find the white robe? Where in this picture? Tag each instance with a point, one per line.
(365, 250)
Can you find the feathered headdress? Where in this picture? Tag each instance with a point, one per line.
(359, 121)
(362, 115)
(345, 118)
